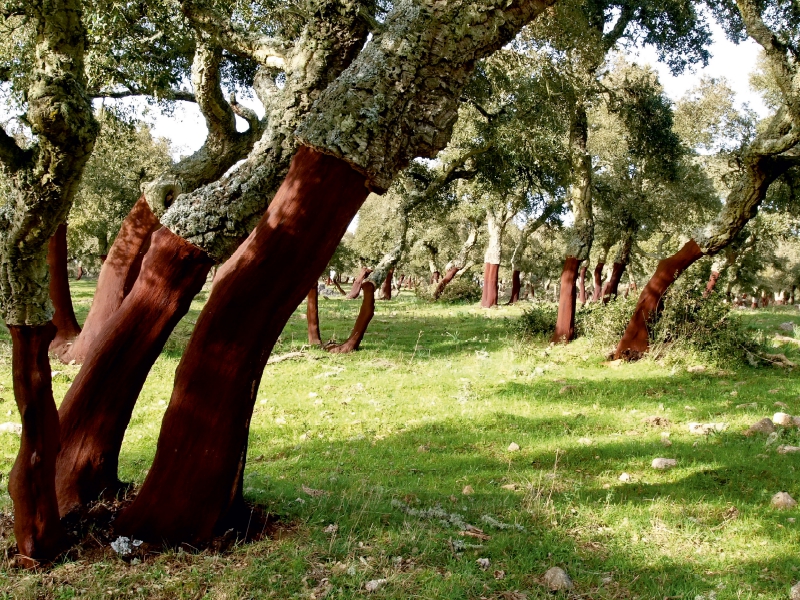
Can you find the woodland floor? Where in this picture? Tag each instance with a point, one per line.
(430, 406)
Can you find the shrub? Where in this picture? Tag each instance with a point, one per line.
(604, 324)
(462, 289)
(538, 321)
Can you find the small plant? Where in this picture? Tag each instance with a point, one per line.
(538, 321)
(461, 290)
(604, 324)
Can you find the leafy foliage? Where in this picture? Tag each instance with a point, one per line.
(538, 321)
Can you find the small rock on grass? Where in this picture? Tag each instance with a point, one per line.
(11, 428)
(664, 463)
(557, 579)
(696, 369)
(656, 421)
(625, 478)
(706, 428)
(513, 447)
(468, 491)
(762, 426)
(783, 500)
(783, 419)
(788, 449)
(374, 585)
(795, 593)
(665, 441)
(483, 563)
(584, 441)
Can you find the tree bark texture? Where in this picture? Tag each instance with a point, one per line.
(36, 522)
(635, 340)
(312, 316)
(386, 286)
(598, 282)
(490, 285)
(356, 289)
(192, 481)
(712, 282)
(97, 407)
(516, 286)
(565, 324)
(67, 328)
(117, 276)
(582, 284)
(612, 287)
(362, 322)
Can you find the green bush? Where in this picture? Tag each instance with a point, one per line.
(461, 289)
(538, 321)
(604, 324)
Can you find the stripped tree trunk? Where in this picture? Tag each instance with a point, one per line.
(460, 264)
(516, 287)
(386, 287)
(312, 317)
(565, 325)
(582, 285)
(64, 316)
(491, 261)
(621, 262)
(598, 281)
(365, 315)
(356, 289)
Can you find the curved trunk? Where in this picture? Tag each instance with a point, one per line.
(356, 289)
(36, 523)
(312, 317)
(67, 328)
(565, 325)
(516, 287)
(635, 340)
(489, 296)
(362, 322)
(598, 282)
(712, 282)
(79, 273)
(448, 277)
(191, 482)
(98, 406)
(386, 286)
(612, 287)
(117, 276)
(582, 285)
(337, 285)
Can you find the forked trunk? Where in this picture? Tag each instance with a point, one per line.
(36, 522)
(117, 277)
(597, 293)
(635, 340)
(712, 282)
(67, 328)
(98, 405)
(312, 316)
(191, 482)
(356, 289)
(489, 297)
(362, 322)
(582, 285)
(516, 287)
(386, 286)
(612, 287)
(565, 325)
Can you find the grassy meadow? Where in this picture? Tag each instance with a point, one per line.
(371, 465)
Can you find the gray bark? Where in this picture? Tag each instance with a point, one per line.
(44, 178)
(530, 227)
(581, 236)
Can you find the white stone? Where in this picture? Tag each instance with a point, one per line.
(557, 579)
(513, 447)
(664, 463)
(795, 593)
(783, 500)
(781, 418)
(788, 449)
(584, 441)
(696, 369)
(374, 585)
(706, 428)
(11, 428)
(625, 478)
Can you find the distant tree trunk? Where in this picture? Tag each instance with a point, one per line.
(495, 225)
(64, 316)
(362, 322)
(754, 302)
(356, 289)
(98, 405)
(489, 296)
(565, 324)
(338, 285)
(386, 287)
(312, 317)
(516, 287)
(37, 527)
(582, 285)
(612, 287)
(401, 281)
(459, 265)
(79, 273)
(635, 340)
(598, 282)
(712, 282)
(117, 276)
(229, 348)
(791, 295)
(435, 277)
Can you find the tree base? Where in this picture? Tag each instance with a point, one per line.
(362, 322)
(565, 324)
(490, 285)
(516, 287)
(312, 316)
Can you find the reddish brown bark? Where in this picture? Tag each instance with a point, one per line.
(582, 285)
(362, 322)
(490, 285)
(338, 286)
(386, 288)
(635, 340)
(31, 482)
(98, 405)
(312, 316)
(79, 273)
(612, 287)
(117, 276)
(190, 485)
(565, 324)
(712, 282)
(448, 277)
(598, 282)
(103, 258)
(358, 282)
(754, 302)
(67, 328)
(516, 287)
(435, 277)
(400, 282)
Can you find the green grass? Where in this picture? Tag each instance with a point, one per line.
(430, 406)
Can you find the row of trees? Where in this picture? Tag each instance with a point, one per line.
(355, 93)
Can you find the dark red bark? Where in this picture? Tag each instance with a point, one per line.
(189, 486)
(712, 281)
(448, 277)
(516, 286)
(565, 324)
(598, 282)
(98, 405)
(356, 289)
(31, 482)
(312, 316)
(67, 328)
(612, 287)
(635, 340)
(117, 276)
(362, 322)
(754, 302)
(582, 285)
(490, 285)
(386, 288)
(79, 273)
(400, 282)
